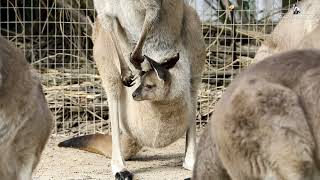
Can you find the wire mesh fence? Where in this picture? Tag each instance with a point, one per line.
(55, 37)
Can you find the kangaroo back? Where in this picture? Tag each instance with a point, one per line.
(26, 121)
(312, 40)
(265, 125)
(291, 30)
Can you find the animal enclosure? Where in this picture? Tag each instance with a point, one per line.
(55, 37)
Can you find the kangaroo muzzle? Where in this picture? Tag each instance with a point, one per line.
(136, 95)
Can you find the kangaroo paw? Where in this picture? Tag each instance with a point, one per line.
(128, 79)
(124, 175)
(136, 59)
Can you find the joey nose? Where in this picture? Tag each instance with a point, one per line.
(134, 94)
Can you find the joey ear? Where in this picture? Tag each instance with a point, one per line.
(171, 62)
(161, 72)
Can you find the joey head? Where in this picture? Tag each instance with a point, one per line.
(155, 83)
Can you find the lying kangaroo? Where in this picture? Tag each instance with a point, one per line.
(266, 125)
(26, 121)
(162, 107)
(291, 30)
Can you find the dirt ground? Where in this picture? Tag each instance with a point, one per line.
(152, 164)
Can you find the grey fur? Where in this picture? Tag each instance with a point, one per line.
(25, 119)
(292, 30)
(266, 125)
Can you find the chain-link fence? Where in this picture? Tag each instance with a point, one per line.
(55, 36)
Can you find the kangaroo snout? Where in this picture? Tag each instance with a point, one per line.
(136, 95)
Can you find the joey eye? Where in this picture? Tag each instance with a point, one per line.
(142, 73)
(148, 86)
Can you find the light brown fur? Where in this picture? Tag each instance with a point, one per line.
(158, 119)
(312, 40)
(25, 120)
(291, 30)
(266, 125)
(102, 144)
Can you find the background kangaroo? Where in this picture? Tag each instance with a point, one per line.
(25, 120)
(312, 40)
(163, 106)
(291, 30)
(266, 126)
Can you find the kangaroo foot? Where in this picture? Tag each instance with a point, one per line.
(188, 164)
(124, 175)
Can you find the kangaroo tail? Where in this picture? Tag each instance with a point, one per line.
(95, 143)
(102, 144)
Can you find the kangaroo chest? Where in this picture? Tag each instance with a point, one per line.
(166, 30)
(131, 17)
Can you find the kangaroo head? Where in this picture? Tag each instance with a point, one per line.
(155, 83)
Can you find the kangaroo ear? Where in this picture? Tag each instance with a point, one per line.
(171, 62)
(161, 72)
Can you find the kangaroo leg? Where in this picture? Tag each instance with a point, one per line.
(190, 148)
(102, 143)
(208, 164)
(28, 155)
(190, 151)
(152, 8)
(112, 26)
(117, 161)
(26, 167)
(121, 39)
(107, 65)
(130, 147)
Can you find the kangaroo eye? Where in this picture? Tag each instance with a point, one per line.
(142, 73)
(148, 86)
